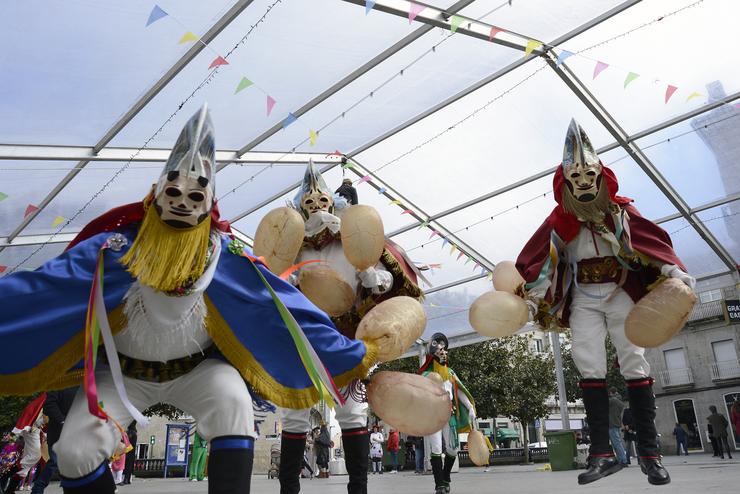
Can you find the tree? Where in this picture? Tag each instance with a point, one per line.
(10, 409)
(530, 380)
(169, 411)
(573, 376)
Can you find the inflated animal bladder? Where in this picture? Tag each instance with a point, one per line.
(660, 314)
(435, 377)
(478, 449)
(393, 325)
(506, 277)
(279, 238)
(410, 403)
(362, 234)
(498, 314)
(325, 287)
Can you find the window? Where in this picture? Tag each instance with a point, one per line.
(538, 345)
(726, 365)
(710, 295)
(678, 371)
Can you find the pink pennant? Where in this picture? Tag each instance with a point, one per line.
(434, 232)
(669, 92)
(414, 10)
(494, 32)
(3, 268)
(219, 61)
(30, 209)
(406, 211)
(366, 178)
(336, 153)
(270, 104)
(600, 67)
(460, 255)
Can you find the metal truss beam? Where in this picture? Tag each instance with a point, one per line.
(209, 36)
(348, 79)
(699, 209)
(24, 152)
(459, 95)
(634, 151)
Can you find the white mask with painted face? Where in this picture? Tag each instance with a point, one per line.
(581, 165)
(184, 201)
(313, 196)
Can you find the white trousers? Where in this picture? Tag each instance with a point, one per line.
(591, 319)
(31, 451)
(435, 442)
(352, 415)
(214, 393)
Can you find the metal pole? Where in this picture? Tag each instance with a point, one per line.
(562, 399)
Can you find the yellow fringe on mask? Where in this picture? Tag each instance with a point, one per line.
(165, 258)
(442, 370)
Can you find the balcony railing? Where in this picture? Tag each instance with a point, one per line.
(728, 369)
(708, 310)
(676, 377)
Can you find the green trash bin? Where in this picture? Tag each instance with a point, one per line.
(561, 446)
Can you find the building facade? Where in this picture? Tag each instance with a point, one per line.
(699, 368)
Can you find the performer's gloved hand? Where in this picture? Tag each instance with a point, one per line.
(673, 271)
(532, 307)
(379, 281)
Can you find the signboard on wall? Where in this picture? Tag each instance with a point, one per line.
(176, 447)
(732, 311)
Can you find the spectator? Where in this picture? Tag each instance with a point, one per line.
(118, 460)
(681, 439)
(719, 426)
(376, 450)
(322, 443)
(128, 470)
(347, 191)
(198, 461)
(630, 435)
(56, 407)
(616, 408)
(712, 440)
(418, 443)
(393, 445)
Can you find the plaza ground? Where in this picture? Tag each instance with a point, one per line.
(698, 473)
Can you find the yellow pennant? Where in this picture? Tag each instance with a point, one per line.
(58, 221)
(189, 36)
(453, 249)
(532, 45)
(693, 95)
(395, 201)
(312, 135)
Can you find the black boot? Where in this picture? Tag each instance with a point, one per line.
(601, 461)
(99, 481)
(230, 465)
(438, 471)
(642, 405)
(292, 446)
(356, 451)
(449, 462)
(13, 484)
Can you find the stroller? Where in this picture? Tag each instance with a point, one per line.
(274, 470)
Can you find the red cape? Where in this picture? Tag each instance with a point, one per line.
(132, 213)
(29, 414)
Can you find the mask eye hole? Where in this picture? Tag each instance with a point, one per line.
(196, 196)
(575, 175)
(309, 201)
(591, 173)
(324, 200)
(172, 192)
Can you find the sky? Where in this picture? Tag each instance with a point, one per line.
(76, 66)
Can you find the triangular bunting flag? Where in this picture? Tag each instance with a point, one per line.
(532, 45)
(445, 242)
(467, 260)
(30, 209)
(490, 275)
(494, 31)
(414, 10)
(3, 196)
(3, 268)
(563, 55)
(348, 164)
(455, 22)
(156, 14)
(669, 92)
(187, 37)
(453, 249)
(395, 201)
(217, 62)
(381, 191)
(312, 136)
(434, 233)
(270, 104)
(366, 178)
(460, 255)
(423, 224)
(369, 4)
(599, 68)
(243, 84)
(289, 119)
(58, 221)
(406, 211)
(335, 153)
(630, 77)
(691, 96)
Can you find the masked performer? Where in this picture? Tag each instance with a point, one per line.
(353, 293)
(187, 318)
(585, 268)
(462, 418)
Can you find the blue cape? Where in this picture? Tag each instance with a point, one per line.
(43, 319)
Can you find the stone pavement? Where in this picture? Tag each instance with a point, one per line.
(697, 473)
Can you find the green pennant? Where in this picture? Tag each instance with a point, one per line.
(243, 84)
(455, 22)
(3, 196)
(630, 77)
(348, 164)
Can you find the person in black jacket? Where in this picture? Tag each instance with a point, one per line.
(56, 407)
(131, 455)
(347, 191)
